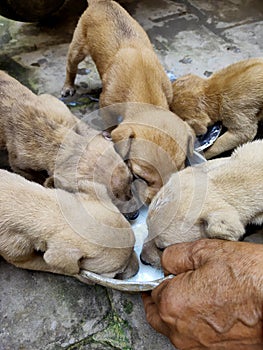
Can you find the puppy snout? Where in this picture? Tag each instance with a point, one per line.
(131, 269)
(132, 216)
(144, 261)
(151, 255)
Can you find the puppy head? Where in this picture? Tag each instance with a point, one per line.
(172, 218)
(120, 180)
(133, 150)
(152, 153)
(189, 102)
(94, 158)
(121, 263)
(95, 236)
(186, 209)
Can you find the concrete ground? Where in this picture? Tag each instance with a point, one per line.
(50, 312)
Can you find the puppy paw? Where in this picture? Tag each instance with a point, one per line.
(224, 225)
(68, 91)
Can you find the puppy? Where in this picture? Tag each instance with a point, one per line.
(208, 202)
(233, 95)
(61, 232)
(41, 134)
(134, 84)
(156, 143)
(123, 54)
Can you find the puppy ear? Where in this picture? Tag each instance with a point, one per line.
(224, 224)
(60, 181)
(199, 126)
(49, 182)
(57, 181)
(64, 259)
(122, 137)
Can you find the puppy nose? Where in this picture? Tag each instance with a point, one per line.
(143, 261)
(133, 215)
(131, 269)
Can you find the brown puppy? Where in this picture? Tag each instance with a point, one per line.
(133, 84)
(156, 142)
(233, 95)
(61, 232)
(205, 201)
(40, 133)
(123, 54)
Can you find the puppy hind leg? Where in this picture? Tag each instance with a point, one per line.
(37, 263)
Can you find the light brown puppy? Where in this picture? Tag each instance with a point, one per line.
(156, 142)
(61, 232)
(123, 54)
(41, 134)
(199, 202)
(134, 84)
(233, 95)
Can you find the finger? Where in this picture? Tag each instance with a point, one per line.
(157, 292)
(152, 315)
(183, 257)
(147, 298)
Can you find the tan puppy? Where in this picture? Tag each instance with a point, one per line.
(133, 84)
(233, 95)
(123, 54)
(156, 142)
(203, 202)
(61, 232)
(41, 134)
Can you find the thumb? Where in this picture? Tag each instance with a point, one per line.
(183, 257)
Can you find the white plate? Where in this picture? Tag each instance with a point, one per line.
(206, 140)
(147, 277)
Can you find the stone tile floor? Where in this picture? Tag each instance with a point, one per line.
(49, 312)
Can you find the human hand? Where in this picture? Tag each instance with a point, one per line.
(215, 300)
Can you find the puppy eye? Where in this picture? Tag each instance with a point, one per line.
(203, 225)
(159, 246)
(161, 249)
(107, 135)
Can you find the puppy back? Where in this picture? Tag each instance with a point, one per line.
(117, 20)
